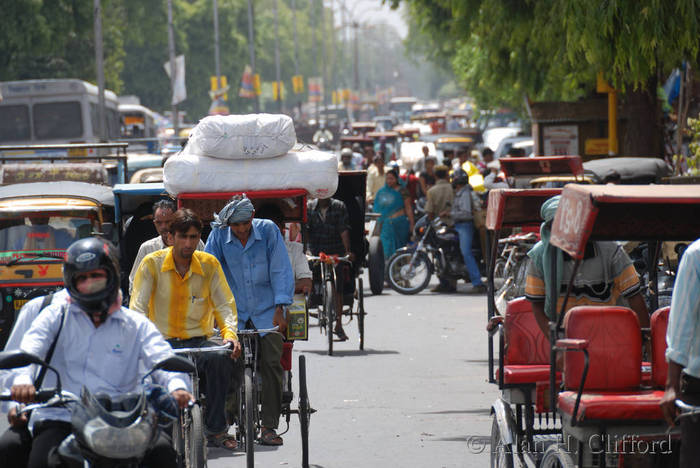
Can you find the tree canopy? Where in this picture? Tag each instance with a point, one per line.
(503, 50)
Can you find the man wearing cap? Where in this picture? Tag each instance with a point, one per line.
(255, 261)
(346, 163)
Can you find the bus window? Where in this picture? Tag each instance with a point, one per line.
(14, 123)
(54, 120)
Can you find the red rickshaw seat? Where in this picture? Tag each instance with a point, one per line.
(659, 365)
(526, 359)
(614, 347)
(630, 405)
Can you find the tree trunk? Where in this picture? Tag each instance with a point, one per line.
(643, 131)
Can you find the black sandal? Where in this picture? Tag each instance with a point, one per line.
(270, 437)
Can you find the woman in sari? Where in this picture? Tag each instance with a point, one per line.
(393, 203)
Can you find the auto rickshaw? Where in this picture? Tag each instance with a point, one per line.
(448, 146)
(361, 128)
(387, 142)
(38, 222)
(408, 134)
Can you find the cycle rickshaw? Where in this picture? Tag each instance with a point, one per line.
(606, 401)
(292, 204)
(541, 171)
(351, 191)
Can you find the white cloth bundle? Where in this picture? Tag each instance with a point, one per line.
(314, 171)
(249, 136)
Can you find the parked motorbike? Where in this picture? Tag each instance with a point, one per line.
(107, 432)
(410, 268)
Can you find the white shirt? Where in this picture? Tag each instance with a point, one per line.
(103, 359)
(148, 247)
(300, 265)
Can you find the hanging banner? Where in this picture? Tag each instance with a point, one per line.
(278, 92)
(298, 84)
(315, 88)
(247, 89)
(219, 89)
(256, 84)
(179, 90)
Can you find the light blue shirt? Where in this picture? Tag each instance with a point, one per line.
(103, 359)
(259, 274)
(683, 333)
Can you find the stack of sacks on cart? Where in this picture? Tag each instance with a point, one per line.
(249, 152)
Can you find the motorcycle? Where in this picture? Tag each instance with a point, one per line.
(107, 432)
(410, 268)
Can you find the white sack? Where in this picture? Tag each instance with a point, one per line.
(242, 136)
(314, 171)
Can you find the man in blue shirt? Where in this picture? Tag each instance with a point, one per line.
(683, 353)
(255, 261)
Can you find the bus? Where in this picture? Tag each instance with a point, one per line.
(52, 112)
(138, 127)
(401, 107)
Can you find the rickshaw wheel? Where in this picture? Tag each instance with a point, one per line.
(249, 434)
(501, 454)
(304, 413)
(328, 308)
(197, 442)
(556, 457)
(361, 312)
(375, 265)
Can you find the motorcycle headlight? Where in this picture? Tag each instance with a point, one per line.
(120, 442)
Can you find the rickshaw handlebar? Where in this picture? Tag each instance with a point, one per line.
(205, 349)
(323, 258)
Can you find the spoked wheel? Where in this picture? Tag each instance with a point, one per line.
(499, 270)
(249, 418)
(361, 312)
(304, 413)
(179, 440)
(556, 457)
(408, 277)
(329, 311)
(375, 265)
(197, 455)
(501, 454)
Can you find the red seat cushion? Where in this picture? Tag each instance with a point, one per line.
(526, 344)
(614, 346)
(524, 373)
(659, 366)
(641, 405)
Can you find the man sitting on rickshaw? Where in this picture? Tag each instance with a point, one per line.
(329, 232)
(606, 276)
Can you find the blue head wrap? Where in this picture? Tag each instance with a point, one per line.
(236, 211)
(542, 253)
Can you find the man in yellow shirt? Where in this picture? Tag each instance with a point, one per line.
(183, 291)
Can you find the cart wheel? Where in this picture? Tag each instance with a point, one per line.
(328, 309)
(179, 440)
(376, 265)
(361, 312)
(197, 441)
(556, 457)
(501, 454)
(304, 413)
(249, 429)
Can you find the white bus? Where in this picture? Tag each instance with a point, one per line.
(52, 112)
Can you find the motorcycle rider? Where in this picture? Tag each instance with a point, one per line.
(462, 215)
(99, 345)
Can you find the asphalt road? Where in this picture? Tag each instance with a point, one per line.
(417, 396)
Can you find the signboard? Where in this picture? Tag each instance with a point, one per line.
(560, 140)
(596, 146)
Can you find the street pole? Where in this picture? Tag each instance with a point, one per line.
(314, 21)
(217, 62)
(323, 53)
(251, 47)
(277, 60)
(173, 68)
(356, 61)
(334, 84)
(296, 40)
(99, 63)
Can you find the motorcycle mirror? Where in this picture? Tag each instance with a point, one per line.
(14, 359)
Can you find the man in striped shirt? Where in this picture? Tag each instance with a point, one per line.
(183, 291)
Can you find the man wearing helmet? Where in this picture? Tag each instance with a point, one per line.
(98, 344)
